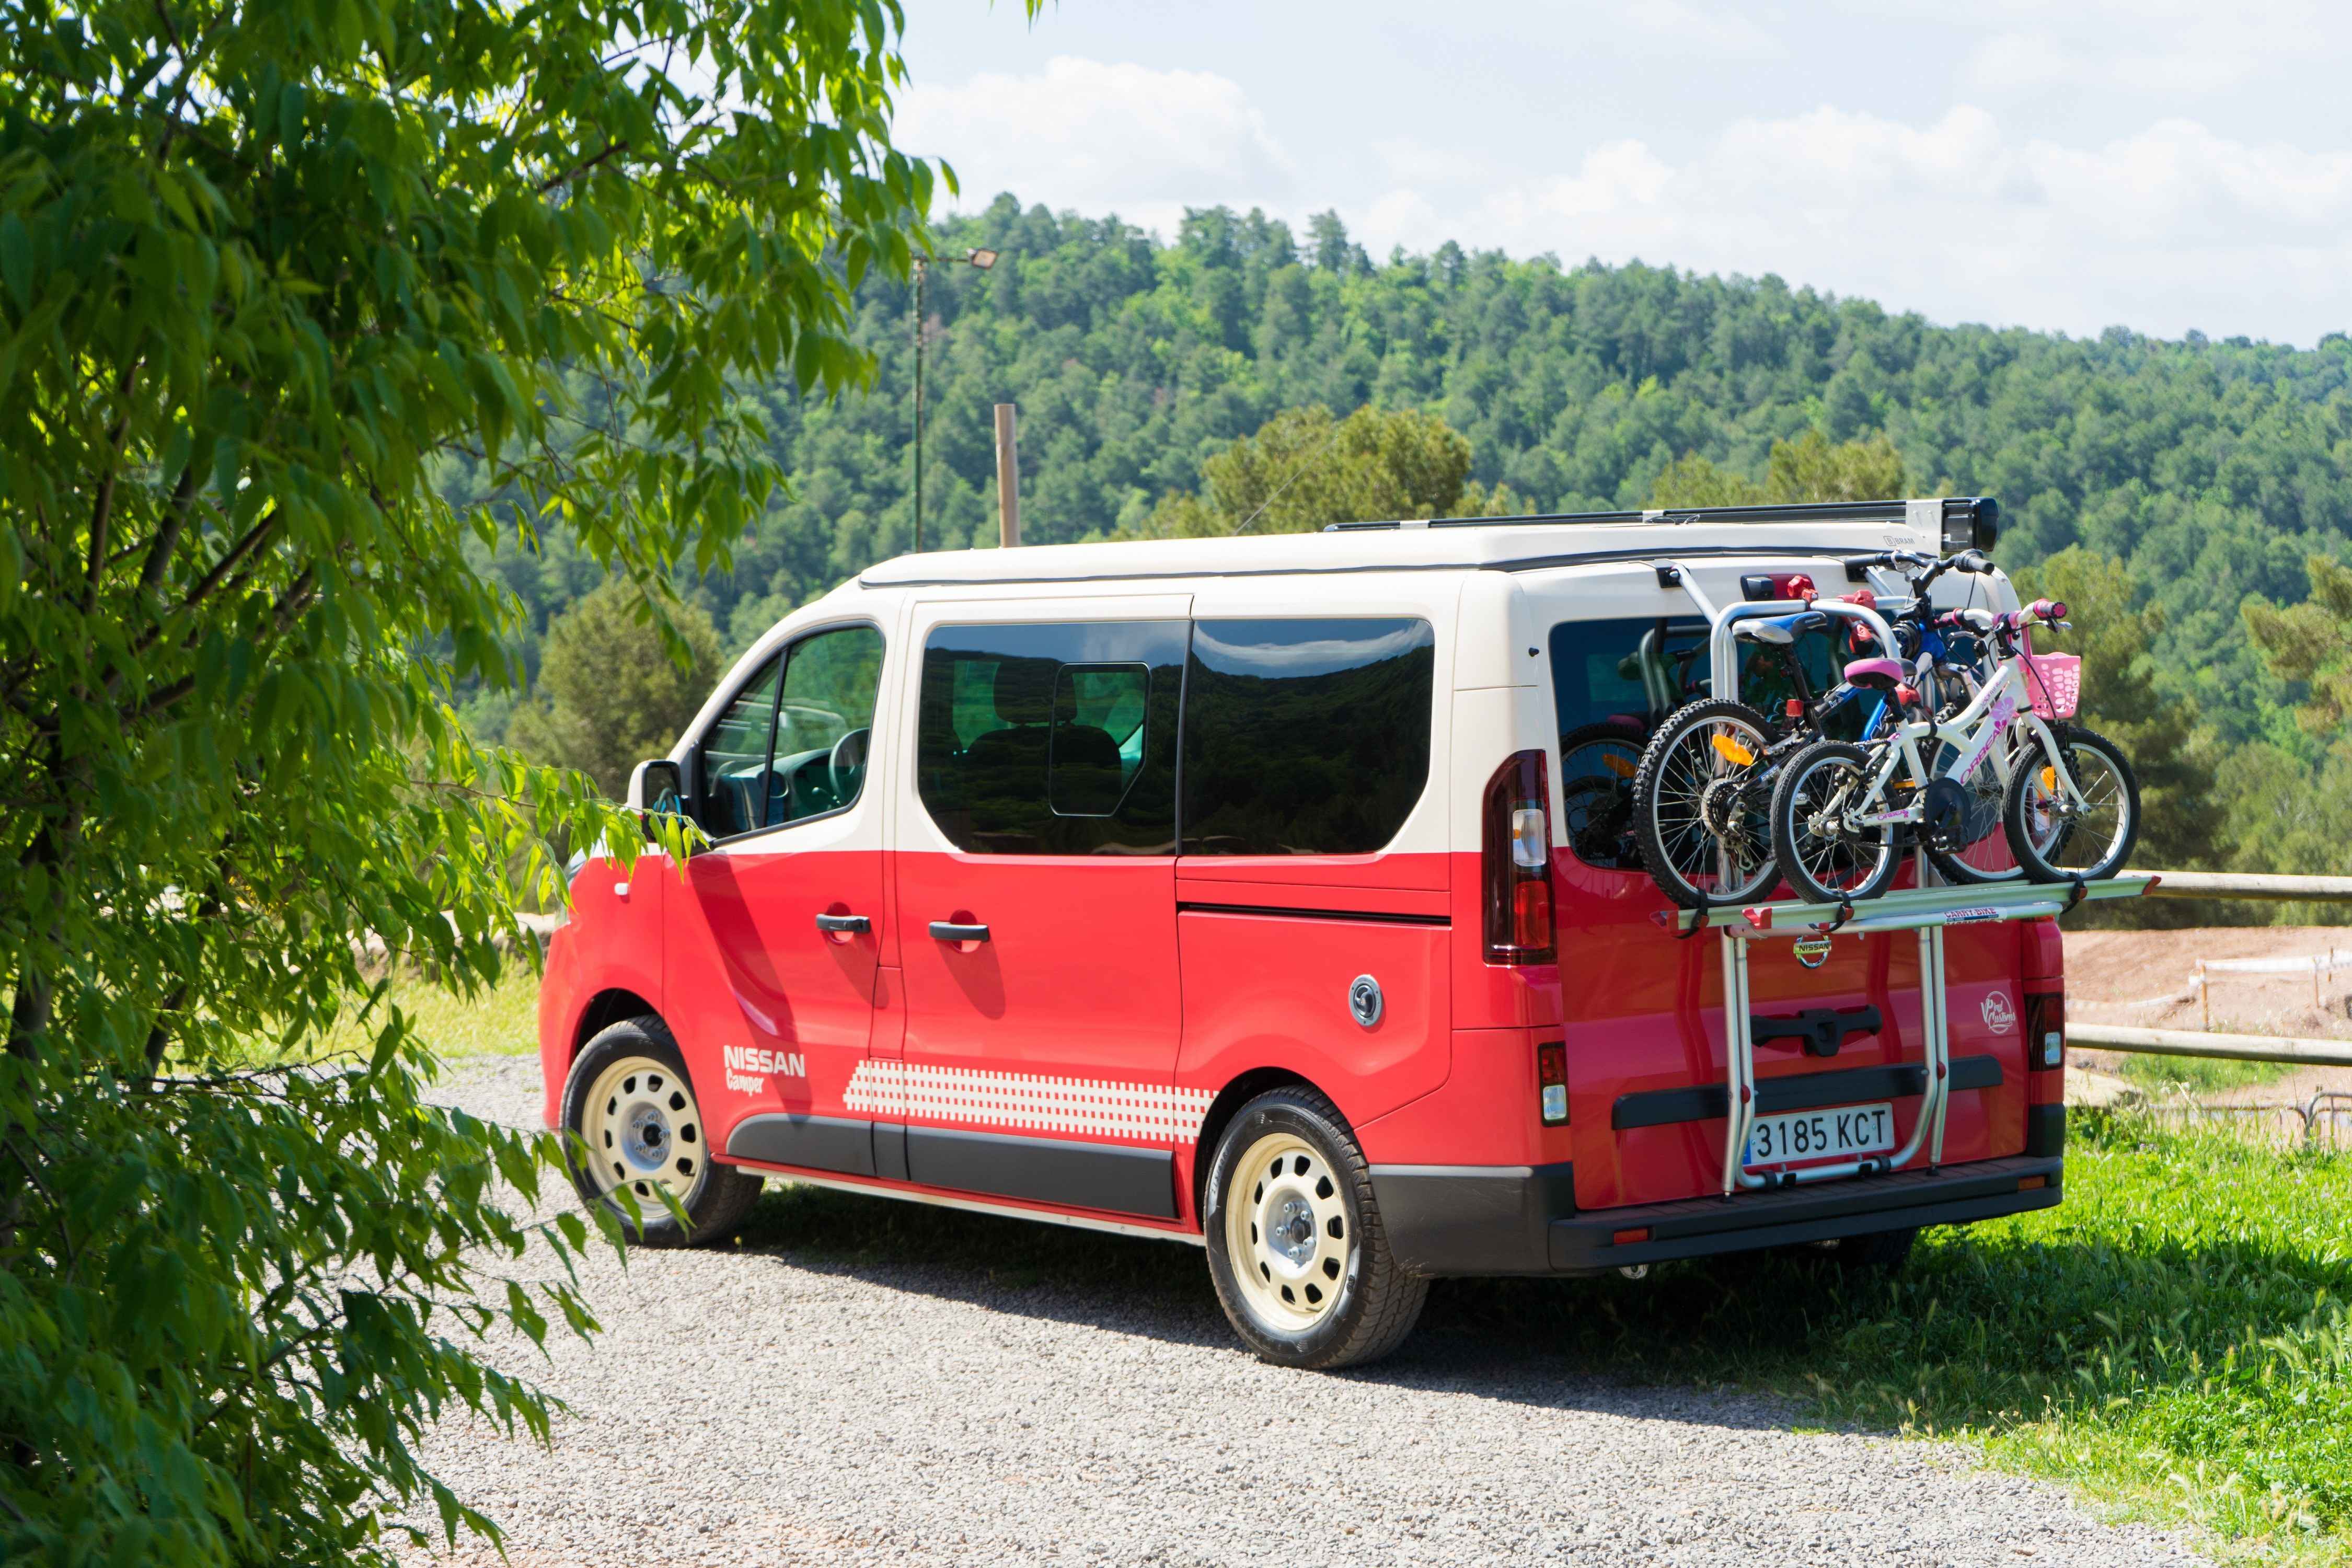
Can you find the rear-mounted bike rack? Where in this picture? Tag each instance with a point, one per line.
(1924, 908)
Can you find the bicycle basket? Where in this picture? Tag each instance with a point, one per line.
(2054, 683)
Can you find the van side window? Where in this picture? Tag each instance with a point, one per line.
(734, 757)
(1305, 737)
(1052, 740)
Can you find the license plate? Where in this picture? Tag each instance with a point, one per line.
(1839, 1133)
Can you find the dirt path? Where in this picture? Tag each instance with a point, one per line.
(2144, 979)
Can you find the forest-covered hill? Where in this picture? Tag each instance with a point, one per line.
(2212, 468)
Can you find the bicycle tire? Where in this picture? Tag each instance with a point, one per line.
(2041, 856)
(1800, 852)
(1675, 852)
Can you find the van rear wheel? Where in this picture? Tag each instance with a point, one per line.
(1296, 1251)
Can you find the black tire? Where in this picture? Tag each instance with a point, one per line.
(1372, 1304)
(1678, 846)
(2071, 851)
(1881, 1252)
(1807, 858)
(717, 1198)
(1597, 798)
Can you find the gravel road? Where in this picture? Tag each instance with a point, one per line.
(868, 1380)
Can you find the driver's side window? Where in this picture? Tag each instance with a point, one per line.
(775, 757)
(824, 723)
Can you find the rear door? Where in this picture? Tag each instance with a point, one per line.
(1036, 908)
(1646, 1049)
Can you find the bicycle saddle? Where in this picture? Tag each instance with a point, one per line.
(1879, 674)
(1780, 630)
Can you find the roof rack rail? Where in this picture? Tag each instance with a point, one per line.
(1969, 522)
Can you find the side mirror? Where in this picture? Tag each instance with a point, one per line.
(657, 788)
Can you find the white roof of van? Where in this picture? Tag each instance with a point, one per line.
(1500, 545)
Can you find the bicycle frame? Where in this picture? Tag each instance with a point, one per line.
(1998, 704)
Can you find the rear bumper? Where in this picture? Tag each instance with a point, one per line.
(1476, 1220)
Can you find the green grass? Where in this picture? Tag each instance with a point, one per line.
(2200, 1074)
(501, 1021)
(2173, 1340)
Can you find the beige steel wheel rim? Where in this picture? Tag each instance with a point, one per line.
(643, 1130)
(1287, 1233)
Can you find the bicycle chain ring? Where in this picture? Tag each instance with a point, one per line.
(1944, 815)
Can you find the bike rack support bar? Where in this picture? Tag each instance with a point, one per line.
(1930, 911)
(1948, 906)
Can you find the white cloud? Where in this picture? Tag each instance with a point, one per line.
(2169, 228)
(1968, 211)
(1704, 30)
(1098, 137)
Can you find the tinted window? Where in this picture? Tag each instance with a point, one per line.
(1305, 737)
(824, 723)
(766, 763)
(1632, 671)
(1052, 740)
(1613, 680)
(735, 758)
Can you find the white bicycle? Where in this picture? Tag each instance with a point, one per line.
(1841, 814)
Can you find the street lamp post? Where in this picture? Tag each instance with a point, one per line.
(983, 259)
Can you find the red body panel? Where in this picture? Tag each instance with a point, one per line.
(1486, 1108)
(1644, 1011)
(613, 943)
(1077, 978)
(1271, 991)
(779, 1014)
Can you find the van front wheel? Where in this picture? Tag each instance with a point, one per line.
(633, 1124)
(1296, 1248)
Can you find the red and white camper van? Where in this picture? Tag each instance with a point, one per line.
(1230, 891)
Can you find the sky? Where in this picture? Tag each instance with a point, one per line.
(2162, 164)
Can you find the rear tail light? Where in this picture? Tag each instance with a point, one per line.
(1551, 1075)
(2045, 1030)
(1518, 862)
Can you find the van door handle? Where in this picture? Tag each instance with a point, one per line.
(844, 925)
(948, 930)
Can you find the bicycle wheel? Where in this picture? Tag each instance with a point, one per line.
(1974, 847)
(1702, 804)
(1597, 764)
(2057, 839)
(1826, 862)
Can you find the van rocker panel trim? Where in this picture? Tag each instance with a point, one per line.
(1796, 1091)
(813, 1143)
(1115, 1177)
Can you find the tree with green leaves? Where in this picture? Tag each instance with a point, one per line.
(264, 270)
(2291, 804)
(609, 692)
(2183, 824)
(1303, 468)
(1811, 468)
